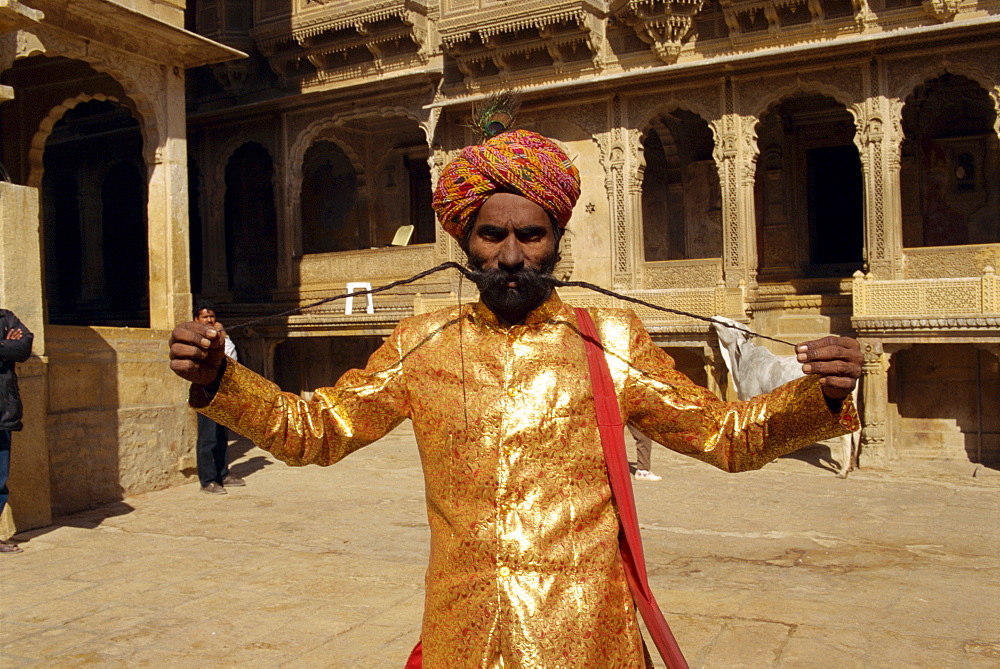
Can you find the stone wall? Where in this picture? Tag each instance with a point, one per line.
(20, 291)
(118, 422)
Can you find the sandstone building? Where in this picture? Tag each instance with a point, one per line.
(804, 166)
(93, 245)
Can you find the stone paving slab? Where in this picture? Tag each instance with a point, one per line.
(309, 567)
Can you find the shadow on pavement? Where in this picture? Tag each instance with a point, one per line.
(87, 520)
(248, 467)
(817, 455)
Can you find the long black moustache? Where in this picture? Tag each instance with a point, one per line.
(532, 286)
(473, 275)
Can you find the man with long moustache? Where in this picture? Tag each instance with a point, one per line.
(525, 568)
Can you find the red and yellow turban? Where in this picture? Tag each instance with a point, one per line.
(520, 162)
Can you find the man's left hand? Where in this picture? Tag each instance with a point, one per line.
(837, 362)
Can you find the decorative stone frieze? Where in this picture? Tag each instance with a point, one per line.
(322, 41)
(682, 273)
(665, 25)
(951, 261)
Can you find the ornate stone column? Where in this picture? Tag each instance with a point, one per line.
(618, 185)
(736, 158)
(878, 138)
(874, 401)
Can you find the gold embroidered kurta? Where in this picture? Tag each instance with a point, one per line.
(524, 564)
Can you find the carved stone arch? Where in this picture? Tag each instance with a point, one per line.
(322, 130)
(329, 129)
(652, 119)
(401, 112)
(767, 103)
(215, 175)
(422, 120)
(907, 86)
(140, 101)
(36, 152)
(24, 45)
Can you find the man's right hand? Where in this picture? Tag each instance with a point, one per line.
(197, 352)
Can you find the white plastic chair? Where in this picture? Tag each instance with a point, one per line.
(358, 285)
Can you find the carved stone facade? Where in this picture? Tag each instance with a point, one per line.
(104, 415)
(801, 142)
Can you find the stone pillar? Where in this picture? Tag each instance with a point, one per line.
(30, 503)
(617, 184)
(736, 158)
(879, 140)
(288, 248)
(169, 264)
(877, 448)
(715, 372)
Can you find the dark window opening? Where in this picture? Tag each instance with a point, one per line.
(332, 219)
(836, 209)
(421, 213)
(251, 224)
(681, 200)
(94, 201)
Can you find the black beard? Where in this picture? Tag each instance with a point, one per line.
(512, 304)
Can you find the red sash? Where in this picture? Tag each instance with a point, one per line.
(609, 422)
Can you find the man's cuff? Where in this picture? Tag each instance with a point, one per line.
(200, 396)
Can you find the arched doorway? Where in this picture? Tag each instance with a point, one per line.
(950, 165)
(809, 191)
(94, 198)
(251, 224)
(681, 201)
(332, 217)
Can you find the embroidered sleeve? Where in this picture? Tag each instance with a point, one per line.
(735, 436)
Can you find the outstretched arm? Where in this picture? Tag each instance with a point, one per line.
(362, 407)
(735, 436)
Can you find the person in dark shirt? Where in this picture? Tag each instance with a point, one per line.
(15, 346)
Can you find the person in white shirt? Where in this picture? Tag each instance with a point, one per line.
(213, 439)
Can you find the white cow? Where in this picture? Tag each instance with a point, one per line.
(755, 371)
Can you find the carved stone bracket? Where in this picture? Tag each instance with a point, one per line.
(665, 25)
(942, 10)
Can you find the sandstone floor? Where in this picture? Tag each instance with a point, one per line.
(323, 567)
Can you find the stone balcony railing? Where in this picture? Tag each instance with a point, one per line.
(953, 304)
(707, 302)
